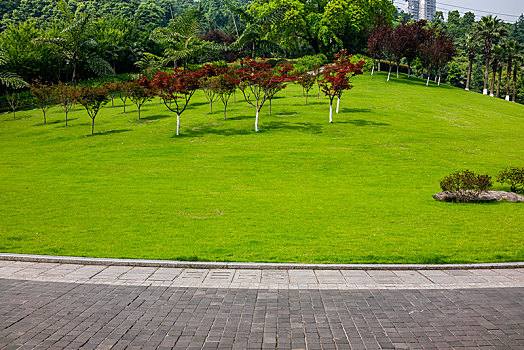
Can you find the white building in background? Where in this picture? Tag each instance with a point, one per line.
(421, 9)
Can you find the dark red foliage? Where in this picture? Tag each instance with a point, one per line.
(219, 37)
(177, 87)
(335, 77)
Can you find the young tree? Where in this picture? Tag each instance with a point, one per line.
(445, 50)
(335, 79)
(92, 99)
(259, 82)
(512, 49)
(307, 80)
(207, 72)
(45, 96)
(177, 87)
(66, 96)
(224, 85)
(124, 92)
(377, 44)
(14, 101)
(139, 92)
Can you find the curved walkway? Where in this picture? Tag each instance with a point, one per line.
(58, 306)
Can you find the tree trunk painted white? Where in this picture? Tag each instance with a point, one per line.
(318, 93)
(484, 91)
(467, 89)
(373, 68)
(507, 97)
(389, 74)
(338, 104)
(270, 107)
(397, 69)
(331, 111)
(427, 82)
(439, 78)
(256, 121)
(178, 124)
(378, 66)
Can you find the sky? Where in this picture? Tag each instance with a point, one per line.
(507, 10)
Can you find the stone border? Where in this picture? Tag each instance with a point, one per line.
(248, 265)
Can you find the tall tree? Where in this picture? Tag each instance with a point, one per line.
(76, 43)
(512, 49)
(489, 29)
(470, 45)
(7, 77)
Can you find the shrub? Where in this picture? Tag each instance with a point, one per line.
(514, 177)
(466, 185)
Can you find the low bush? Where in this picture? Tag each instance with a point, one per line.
(514, 177)
(466, 185)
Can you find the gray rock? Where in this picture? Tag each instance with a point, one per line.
(489, 196)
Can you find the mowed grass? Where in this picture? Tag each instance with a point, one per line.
(301, 190)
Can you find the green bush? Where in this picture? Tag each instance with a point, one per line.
(466, 185)
(514, 177)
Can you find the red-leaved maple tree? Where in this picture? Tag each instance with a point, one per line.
(259, 82)
(176, 89)
(335, 78)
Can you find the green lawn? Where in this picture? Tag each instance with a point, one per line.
(301, 190)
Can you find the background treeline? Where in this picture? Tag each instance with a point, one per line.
(38, 37)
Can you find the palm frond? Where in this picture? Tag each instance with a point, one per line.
(12, 80)
(100, 66)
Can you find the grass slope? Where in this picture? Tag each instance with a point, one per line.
(302, 190)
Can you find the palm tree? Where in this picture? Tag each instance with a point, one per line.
(496, 66)
(512, 49)
(470, 45)
(253, 36)
(8, 78)
(519, 61)
(489, 28)
(182, 39)
(76, 43)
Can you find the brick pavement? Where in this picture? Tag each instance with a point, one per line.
(68, 306)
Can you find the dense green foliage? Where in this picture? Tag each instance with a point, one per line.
(300, 190)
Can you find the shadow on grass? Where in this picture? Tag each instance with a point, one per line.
(109, 132)
(152, 118)
(361, 122)
(50, 123)
(414, 81)
(241, 117)
(355, 110)
(193, 105)
(211, 130)
(304, 127)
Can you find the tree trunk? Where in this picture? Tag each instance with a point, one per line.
(398, 63)
(389, 74)
(307, 93)
(373, 68)
(338, 103)
(331, 110)
(178, 124)
(439, 75)
(318, 92)
(469, 74)
(486, 74)
(45, 121)
(514, 83)
(92, 126)
(256, 120)
(66, 117)
(499, 79)
(124, 105)
(429, 74)
(211, 105)
(378, 66)
(492, 85)
(225, 108)
(508, 81)
(138, 111)
(112, 101)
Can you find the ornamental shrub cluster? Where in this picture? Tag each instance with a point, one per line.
(468, 186)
